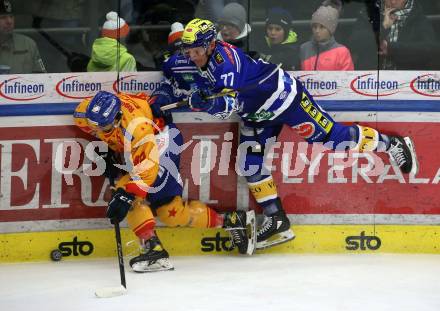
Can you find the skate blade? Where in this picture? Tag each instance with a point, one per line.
(415, 166)
(160, 265)
(277, 239)
(251, 224)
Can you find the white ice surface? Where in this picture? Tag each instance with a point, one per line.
(263, 282)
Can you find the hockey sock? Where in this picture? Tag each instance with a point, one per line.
(386, 140)
(270, 207)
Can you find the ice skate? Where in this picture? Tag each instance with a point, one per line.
(403, 153)
(274, 230)
(152, 258)
(242, 228)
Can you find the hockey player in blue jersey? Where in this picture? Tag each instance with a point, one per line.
(220, 79)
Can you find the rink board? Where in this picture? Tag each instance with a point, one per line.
(334, 205)
(34, 189)
(84, 244)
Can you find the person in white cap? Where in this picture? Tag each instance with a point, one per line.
(105, 49)
(174, 39)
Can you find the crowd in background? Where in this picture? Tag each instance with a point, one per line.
(136, 35)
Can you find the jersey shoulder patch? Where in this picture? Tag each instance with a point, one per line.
(218, 58)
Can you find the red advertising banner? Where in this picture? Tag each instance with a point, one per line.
(331, 184)
(40, 181)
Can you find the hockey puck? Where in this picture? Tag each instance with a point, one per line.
(56, 255)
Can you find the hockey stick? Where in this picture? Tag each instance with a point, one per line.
(107, 292)
(185, 102)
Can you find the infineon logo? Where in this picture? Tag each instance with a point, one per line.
(73, 87)
(130, 84)
(318, 87)
(426, 85)
(21, 89)
(368, 85)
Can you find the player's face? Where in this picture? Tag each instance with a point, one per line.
(111, 126)
(275, 33)
(107, 128)
(198, 55)
(7, 23)
(320, 33)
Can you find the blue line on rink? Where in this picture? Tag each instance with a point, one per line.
(8, 110)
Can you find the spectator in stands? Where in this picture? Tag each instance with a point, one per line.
(58, 45)
(279, 44)
(105, 49)
(174, 43)
(211, 9)
(174, 39)
(18, 53)
(407, 37)
(323, 52)
(233, 27)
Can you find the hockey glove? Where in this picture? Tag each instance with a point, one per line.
(198, 100)
(111, 158)
(119, 205)
(156, 103)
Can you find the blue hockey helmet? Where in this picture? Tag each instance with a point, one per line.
(103, 109)
(198, 32)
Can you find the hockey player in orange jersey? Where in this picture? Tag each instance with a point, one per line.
(152, 181)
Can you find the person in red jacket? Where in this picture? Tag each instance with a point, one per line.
(323, 52)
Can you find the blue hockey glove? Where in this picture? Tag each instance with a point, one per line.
(156, 102)
(119, 205)
(223, 107)
(197, 100)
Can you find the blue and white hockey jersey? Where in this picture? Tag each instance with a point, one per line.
(264, 91)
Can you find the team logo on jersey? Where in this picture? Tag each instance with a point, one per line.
(305, 129)
(260, 116)
(218, 58)
(188, 77)
(283, 95)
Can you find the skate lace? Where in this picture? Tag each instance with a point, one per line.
(398, 155)
(266, 226)
(235, 236)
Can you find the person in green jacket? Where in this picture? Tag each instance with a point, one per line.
(280, 41)
(105, 49)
